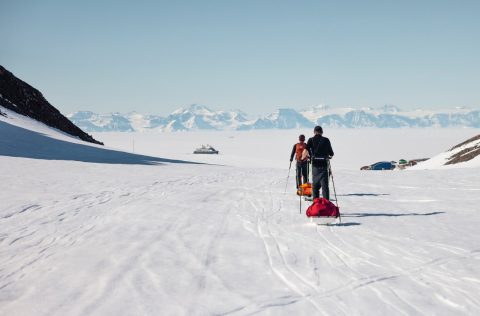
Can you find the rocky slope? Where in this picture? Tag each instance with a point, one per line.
(18, 96)
(465, 151)
(465, 154)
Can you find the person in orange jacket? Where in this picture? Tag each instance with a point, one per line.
(301, 156)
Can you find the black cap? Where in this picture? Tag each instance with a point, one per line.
(318, 129)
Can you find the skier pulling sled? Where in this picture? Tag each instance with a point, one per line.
(305, 189)
(300, 152)
(322, 211)
(316, 152)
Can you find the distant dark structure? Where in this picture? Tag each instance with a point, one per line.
(20, 97)
(206, 150)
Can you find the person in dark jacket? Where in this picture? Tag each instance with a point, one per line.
(302, 160)
(320, 151)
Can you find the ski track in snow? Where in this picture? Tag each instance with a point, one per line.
(211, 240)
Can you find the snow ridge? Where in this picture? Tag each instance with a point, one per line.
(465, 154)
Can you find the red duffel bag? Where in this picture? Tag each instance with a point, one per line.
(322, 207)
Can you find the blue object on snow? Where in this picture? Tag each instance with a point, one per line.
(382, 165)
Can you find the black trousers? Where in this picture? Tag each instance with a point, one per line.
(320, 181)
(302, 171)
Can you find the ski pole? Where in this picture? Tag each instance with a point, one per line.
(288, 176)
(334, 191)
(333, 182)
(296, 175)
(300, 199)
(308, 172)
(298, 186)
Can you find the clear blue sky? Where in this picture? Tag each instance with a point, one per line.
(156, 56)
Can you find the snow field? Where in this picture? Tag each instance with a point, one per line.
(202, 240)
(353, 148)
(82, 238)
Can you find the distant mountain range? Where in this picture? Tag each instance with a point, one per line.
(200, 117)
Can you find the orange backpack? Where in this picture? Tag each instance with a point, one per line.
(299, 148)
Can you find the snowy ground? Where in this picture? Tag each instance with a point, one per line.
(84, 238)
(353, 148)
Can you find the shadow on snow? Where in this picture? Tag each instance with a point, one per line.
(389, 214)
(344, 224)
(364, 194)
(20, 142)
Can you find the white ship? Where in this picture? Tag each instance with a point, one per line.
(206, 149)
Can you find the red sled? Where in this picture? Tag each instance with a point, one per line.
(322, 207)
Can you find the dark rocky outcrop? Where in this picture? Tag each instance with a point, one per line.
(18, 96)
(474, 138)
(471, 151)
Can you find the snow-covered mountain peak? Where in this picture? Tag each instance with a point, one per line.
(195, 109)
(389, 108)
(133, 114)
(81, 114)
(315, 112)
(320, 107)
(282, 112)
